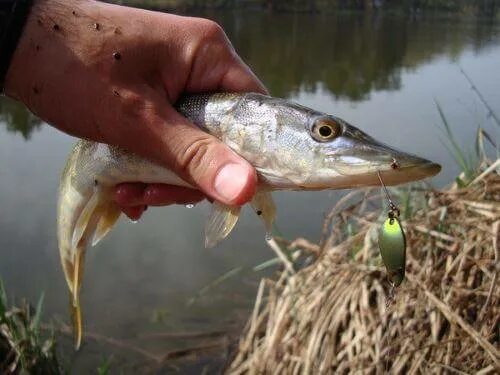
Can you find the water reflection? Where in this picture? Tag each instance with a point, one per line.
(17, 118)
(347, 55)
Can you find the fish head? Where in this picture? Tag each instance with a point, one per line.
(352, 158)
(332, 154)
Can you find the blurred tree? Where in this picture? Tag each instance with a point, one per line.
(17, 118)
(482, 7)
(349, 54)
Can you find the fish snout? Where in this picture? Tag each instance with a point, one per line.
(403, 167)
(358, 159)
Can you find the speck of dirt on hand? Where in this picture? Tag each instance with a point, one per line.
(97, 26)
(37, 47)
(56, 27)
(118, 31)
(36, 90)
(116, 93)
(259, 212)
(73, 13)
(117, 55)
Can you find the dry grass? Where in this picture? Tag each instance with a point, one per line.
(338, 315)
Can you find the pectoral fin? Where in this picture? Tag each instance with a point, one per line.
(83, 220)
(109, 215)
(220, 223)
(264, 206)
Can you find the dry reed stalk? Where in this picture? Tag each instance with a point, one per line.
(338, 315)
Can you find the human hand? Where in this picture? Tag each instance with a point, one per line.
(111, 74)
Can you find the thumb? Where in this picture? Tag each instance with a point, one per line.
(205, 161)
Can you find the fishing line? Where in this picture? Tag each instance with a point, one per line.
(392, 206)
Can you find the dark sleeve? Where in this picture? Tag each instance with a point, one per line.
(13, 16)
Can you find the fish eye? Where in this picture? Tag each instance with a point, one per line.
(325, 129)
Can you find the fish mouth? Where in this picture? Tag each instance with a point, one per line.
(410, 173)
(390, 177)
(397, 176)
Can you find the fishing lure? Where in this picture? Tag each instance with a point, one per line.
(392, 243)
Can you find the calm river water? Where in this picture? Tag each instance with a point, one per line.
(381, 73)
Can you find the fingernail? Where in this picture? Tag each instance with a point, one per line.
(231, 181)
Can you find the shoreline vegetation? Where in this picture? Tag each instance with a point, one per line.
(339, 314)
(472, 7)
(23, 347)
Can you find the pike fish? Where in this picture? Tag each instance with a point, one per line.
(292, 148)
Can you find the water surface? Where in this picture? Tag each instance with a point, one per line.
(381, 73)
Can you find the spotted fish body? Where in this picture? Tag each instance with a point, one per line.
(290, 146)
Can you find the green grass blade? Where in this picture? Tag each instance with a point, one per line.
(489, 138)
(3, 301)
(268, 263)
(479, 146)
(407, 203)
(105, 367)
(461, 163)
(464, 161)
(229, 274)
(35, 323)
(491, 112)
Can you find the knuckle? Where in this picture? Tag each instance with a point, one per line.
(211, 41)
(195, 155)
(211, 30)
(135, 106)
